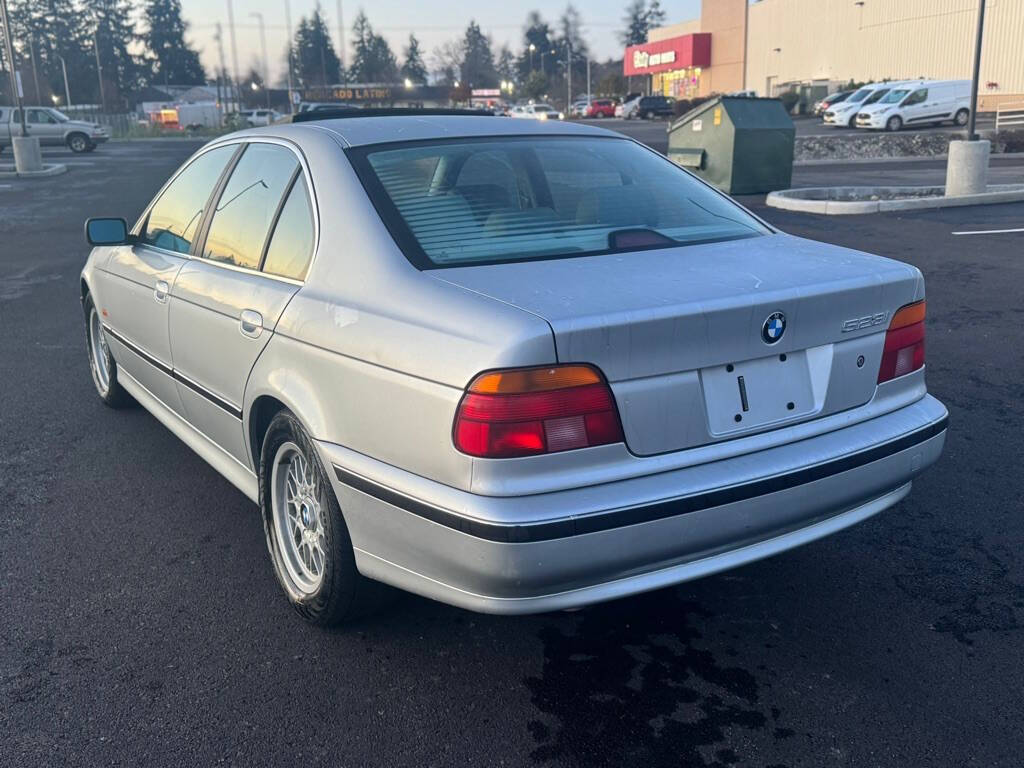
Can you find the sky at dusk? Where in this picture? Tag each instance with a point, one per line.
(433, 21)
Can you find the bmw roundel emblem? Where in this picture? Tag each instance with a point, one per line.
(773, 327)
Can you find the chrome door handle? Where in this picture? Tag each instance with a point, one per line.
(251, 323)
(160, 291)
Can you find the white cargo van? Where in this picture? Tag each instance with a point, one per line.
(845, 112)
(920, 102)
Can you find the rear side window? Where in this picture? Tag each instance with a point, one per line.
(173, 220)
(291, 244)
(483, 201)
(917, 97)
(246, 208)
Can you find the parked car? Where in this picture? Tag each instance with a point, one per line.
(324, 106)
(831, 100)
(599, 108)
(650, 107)
(925, 102)
(259, 117)
(511, 375)
(579, 108)
(52, 127)
(844, 113)
(537, 112)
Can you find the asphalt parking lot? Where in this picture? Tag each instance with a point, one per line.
(142, 624)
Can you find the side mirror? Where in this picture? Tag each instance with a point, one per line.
(106, 231)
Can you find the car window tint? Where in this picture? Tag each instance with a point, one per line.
(574, 196)
(173, 220)
(247, 205)
(291, 245)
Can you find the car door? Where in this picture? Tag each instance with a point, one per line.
(45, 127)
(916, 107)
(223, 308)
(135, 282)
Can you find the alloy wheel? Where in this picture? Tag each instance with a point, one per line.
(298, 508)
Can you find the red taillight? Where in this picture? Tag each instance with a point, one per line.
(528, 411)
(904, 343)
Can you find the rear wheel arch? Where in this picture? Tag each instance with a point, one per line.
(261, 413)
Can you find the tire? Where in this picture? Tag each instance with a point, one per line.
(101, 363)
(961, 117)
(318, 574)
(852, 123)
(894, 124)
(650, 115)
(598, 115)
(78, 143)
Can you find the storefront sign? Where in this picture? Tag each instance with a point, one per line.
(673, 53)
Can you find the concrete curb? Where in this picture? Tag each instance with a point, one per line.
(816, 199)
(51, 169)
(906, 159)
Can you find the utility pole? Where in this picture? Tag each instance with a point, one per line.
(263, 47)
(9, 48)
(99, 65)
(323, 55)
(35, 72)
(971, 133)
(291, 50)
(589, 94)
(219, 37)
(234, 51)
(568, 74)
(341, 38)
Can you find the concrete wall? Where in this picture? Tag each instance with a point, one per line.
(836, 41)
(725, 20)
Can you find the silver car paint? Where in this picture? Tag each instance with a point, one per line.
(372, 356)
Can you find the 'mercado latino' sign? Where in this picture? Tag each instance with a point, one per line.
(643, 59)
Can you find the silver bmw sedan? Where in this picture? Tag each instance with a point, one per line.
(514, 366)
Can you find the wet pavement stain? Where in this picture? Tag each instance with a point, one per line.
(627, 683)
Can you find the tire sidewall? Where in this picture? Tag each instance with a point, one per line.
(962, 120)
(335, 593)
(893, 124)
(73, 138)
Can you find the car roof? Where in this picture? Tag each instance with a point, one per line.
(365, 131)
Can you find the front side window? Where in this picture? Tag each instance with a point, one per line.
(545, 197)
(860, 95)
(917, 97)
(876, 96)
(291, 244)
(894, 96)
(174, 219)
(246, 208)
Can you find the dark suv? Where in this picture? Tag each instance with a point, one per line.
(651, 107)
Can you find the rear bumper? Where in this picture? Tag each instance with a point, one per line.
(570, 548)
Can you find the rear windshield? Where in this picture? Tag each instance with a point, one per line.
(483, 201)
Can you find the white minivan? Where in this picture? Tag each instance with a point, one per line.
(919, 102)
(845, 112)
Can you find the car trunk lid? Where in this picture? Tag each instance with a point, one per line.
(682, 333)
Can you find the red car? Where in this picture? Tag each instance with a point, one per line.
(601, 108)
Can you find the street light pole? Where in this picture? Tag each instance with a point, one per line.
(234, 51)
(971, 133)
(67, 91)
(532, 49)
(99, 65)
(568, 75)
(9, 48)
(263, 47)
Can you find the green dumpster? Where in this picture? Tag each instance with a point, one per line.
(742, 145)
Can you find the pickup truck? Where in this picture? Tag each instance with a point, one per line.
(52, 127)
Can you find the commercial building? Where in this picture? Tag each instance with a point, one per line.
(815, 46)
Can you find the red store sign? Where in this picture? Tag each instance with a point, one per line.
(666, 55)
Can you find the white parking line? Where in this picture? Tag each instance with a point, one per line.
(989, 231)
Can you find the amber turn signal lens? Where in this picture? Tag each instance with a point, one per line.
(908, 315)
(534, 379)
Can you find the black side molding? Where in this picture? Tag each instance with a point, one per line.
(604, 521)
(220, 402)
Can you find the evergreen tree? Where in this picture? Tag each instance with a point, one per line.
(175, 62)
(538, 34)
(506, 64)
(314, 60)
(477, 68)
(640, 19)
(43, 32)
(414, 69)
(373, 61)
(115, 37)
(571, 38)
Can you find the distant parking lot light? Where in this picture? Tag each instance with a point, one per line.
(408, 83)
